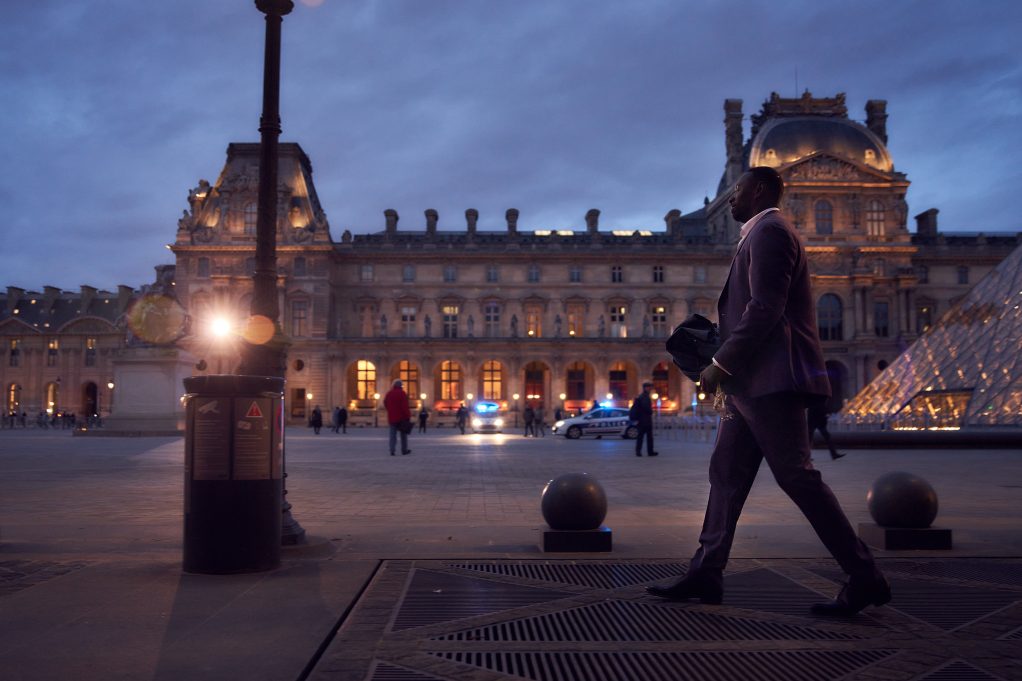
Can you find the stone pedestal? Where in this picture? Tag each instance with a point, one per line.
(148, 385)
(568, 541)
(905, 538)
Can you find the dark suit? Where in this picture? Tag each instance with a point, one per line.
(771, 348)
(642, 412)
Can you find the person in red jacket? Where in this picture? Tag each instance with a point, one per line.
(398, 414)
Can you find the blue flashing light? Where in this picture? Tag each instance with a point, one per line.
(487, 407)
(606, 404)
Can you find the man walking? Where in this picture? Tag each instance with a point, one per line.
(399, 416)
(423, 417)
(770, 364)
(460, 417)
(642, 413)
(529, 415)
(342, 420)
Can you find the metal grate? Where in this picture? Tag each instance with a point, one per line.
(947, 606)
(632, 621)
(768, 591)
(1013, 636)
(986, 571)
(390, 672)
(435, 597)
(958, 671)
(671, 666)
(595, 575)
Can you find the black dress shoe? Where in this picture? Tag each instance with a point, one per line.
(407, 451)
(854, 596)
(834, 456)
(654, 454)
(638, 454)
(690, 588)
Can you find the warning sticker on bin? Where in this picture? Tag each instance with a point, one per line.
(253, 447)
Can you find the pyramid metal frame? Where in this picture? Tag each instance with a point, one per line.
(963, 372)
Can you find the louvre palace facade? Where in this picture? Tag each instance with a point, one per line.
(515, 314)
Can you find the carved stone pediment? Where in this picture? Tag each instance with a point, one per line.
(825, 168)
(829, 263)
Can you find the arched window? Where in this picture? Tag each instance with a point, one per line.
(13, 398)
(661, 381)
(824, 217)
(618, 381)
(828, 317)
(875, 218)
(409, 375)
(52, 398)
(450, 380)
(251, 216)
(365, 380)
(492, 380)
(576, 380)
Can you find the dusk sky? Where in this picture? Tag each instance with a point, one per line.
(113, 110)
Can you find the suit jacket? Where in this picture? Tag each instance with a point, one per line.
(769, 338)
(642, 410)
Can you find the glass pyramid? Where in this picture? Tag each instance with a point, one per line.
(964, 372)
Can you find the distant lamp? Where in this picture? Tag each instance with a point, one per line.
(422, 396)
(702, 396)
(220, 327)
(308, 396)
(515, 396)
(655, 396)
(610, 396)
(110, 385)
(562, 396)
(469, 396)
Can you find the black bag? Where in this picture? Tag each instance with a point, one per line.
(405, 426)
(693, 344)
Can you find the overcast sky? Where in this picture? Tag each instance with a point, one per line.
(113, 109)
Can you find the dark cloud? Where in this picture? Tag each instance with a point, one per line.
(550, 107)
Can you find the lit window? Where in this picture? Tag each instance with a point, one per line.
(299, 318)
(365, 380)
(450, 318)
(52, 346)
(450, 380)
(90, 352)
(824, 217)
(533, 323)
(658, 274)
(828, 317)
(409, 375)
(491, 320)
(924, 317)
(661, 384)
(658, 315)
(492, 381)
(616, 275)
(15, 357)
(619, 321)
(575, 321)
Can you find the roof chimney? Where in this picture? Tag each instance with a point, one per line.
(926, 222)
(391, 217)
(88, 295)
(471, 217)
(733, 140)
(431, 217)
(593, 221)
(125, 294)
(671, 219)
(14, 295)
(50, 295)
(876, 118)
(511, 215)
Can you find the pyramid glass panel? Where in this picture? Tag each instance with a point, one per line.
(964, 372)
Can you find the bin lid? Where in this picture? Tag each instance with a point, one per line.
(225, 385)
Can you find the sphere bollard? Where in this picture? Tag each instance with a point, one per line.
(574, 506)
(902, 499)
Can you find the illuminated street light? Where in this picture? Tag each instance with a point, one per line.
(376, 411)
(221, 327)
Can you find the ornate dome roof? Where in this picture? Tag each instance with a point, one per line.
(781, 141)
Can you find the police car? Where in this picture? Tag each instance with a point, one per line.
(600, 421)
(486, 418)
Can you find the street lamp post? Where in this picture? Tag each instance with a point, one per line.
(264, 351)
(376, 410)
(515, 398)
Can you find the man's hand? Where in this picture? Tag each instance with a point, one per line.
(712, 377)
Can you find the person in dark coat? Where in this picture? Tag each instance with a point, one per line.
(642, 413)
(398, 412)
(530, 417)
(342, 419)
(316, 420)
(769, 365)
(335, 420)
(460, 417)
(423, 417)
(816, 416)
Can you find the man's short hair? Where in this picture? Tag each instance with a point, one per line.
(771, 181)
(398, 383)
(647, 383)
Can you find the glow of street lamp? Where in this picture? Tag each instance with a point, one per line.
(220, 327)
(422, 396)
(110, 385)
(376, 396)
(562, 396)
(308, 396)
(469, 396)
(515, 396)
(610, 396)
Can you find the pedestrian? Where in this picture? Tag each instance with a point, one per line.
(460, 417)
(557, 414)
(642, 414)
(399, 416)
(316, 420)
(537, 423)
(342, 419)
(816, 416)
(530, 419)
(335, 420)
(423, 417)
(768, 365)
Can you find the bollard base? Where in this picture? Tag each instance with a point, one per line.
(569, 541)
(905, 538)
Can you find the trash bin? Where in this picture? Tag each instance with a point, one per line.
(233, 482)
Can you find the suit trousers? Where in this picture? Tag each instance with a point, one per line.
(772, 427)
